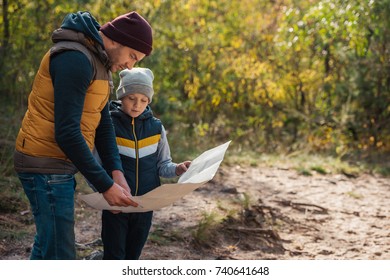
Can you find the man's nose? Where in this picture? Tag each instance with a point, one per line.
(130, 65)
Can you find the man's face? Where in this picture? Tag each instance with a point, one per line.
(122, 57)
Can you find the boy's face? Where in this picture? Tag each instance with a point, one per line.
(134, 104)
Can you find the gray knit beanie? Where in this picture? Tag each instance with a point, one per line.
(136, 80)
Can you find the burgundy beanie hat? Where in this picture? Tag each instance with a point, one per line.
(130, 30)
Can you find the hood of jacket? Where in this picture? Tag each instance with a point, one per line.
(85, 23)
(116, 111)
(81, 27)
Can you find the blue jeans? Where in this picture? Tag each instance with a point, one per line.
(51, 198)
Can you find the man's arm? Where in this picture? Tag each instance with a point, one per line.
(71, 73)
(105, 142)
(107, 148)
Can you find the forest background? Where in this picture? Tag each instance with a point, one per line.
(277, 77)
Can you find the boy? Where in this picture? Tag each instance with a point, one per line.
(145, 156)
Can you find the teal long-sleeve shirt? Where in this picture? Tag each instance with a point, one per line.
(71, 73)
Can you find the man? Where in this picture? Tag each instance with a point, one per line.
(68, 116)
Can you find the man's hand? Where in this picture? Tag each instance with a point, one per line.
(182, 167)
(118, 196)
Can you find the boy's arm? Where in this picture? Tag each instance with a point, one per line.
(167, 168)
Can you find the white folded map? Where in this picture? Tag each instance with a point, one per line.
(201, 170)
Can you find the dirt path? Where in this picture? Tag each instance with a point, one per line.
(257, 213)
(330, 216)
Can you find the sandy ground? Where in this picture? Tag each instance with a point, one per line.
(253, 213)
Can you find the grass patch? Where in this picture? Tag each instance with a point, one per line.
(244, 200)
(15, 226)
(355, 195)
(13, 234)
(373, 162)
(307, 163)
(319, 169)
(12, 196)
(161, 237)
(205, 228)
(303, 171)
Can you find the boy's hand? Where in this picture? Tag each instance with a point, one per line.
(182, 167)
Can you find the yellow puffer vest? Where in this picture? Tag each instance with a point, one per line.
(36, 136)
